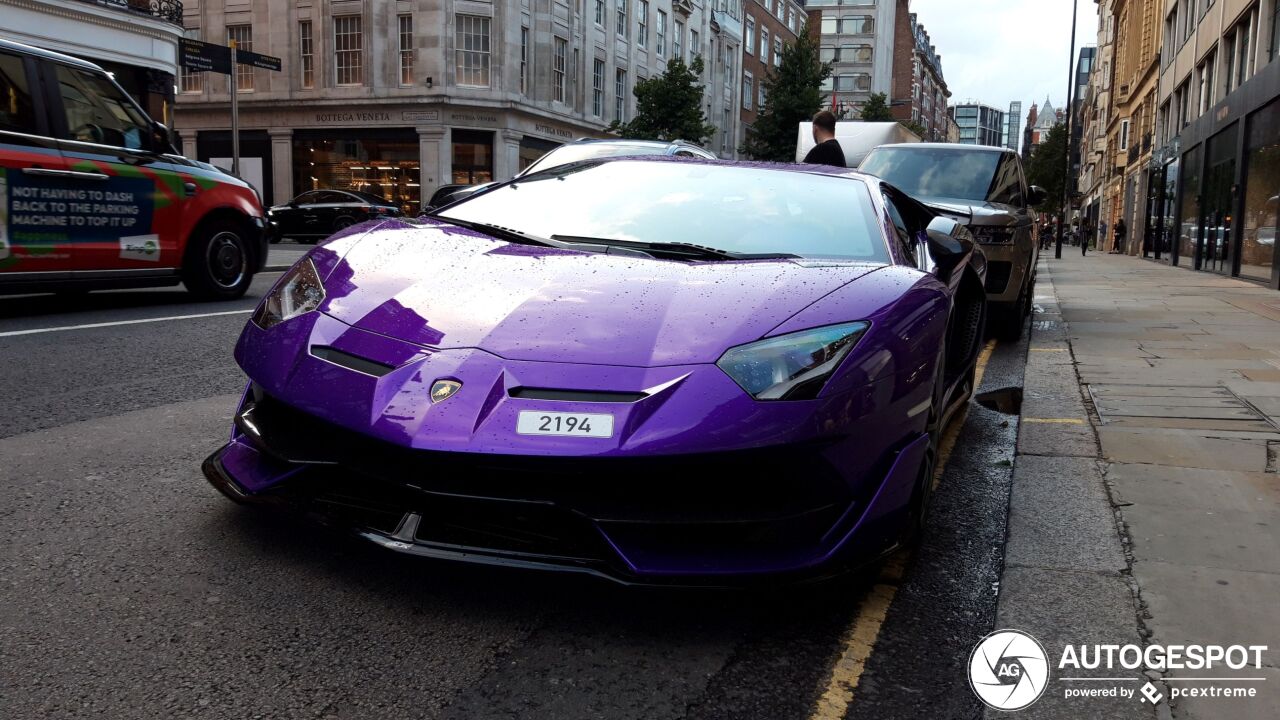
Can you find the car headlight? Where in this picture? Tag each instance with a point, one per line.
(299, 291)
(791, 367)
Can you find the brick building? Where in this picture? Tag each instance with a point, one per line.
(919, 91)
(768, 26)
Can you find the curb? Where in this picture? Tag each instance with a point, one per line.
(1066, 578)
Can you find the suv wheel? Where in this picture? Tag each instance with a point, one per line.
(218, 264)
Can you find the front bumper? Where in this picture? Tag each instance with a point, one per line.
(1008, 267)
(716, 519)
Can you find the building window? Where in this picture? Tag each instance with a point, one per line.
(642, 36)
(243, 37)
(764, 45)
(524, 61)
(1245, 33)
(620, 95)
(306, 56)
(695, 48)
(748, 90)
(849, 25)
(406, 49)
(661, 38)
(622, 18)
(190, 81)
(777, 51)
(1124, 135)
(597, 89)
(348, 49)
(677, 41)
(1206, 72)
(1183, 95)
(600, 13)
(558, 68)
(761, 96)
(471, 41)
(749, 37)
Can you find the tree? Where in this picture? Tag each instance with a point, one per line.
(915, 127)
(876, 109)
(1048, 166)
(793, 93)
(669, 106)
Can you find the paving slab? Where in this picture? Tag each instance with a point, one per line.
(1060, 516)
(1162, 486)
(1182, 449)
(1227, 539)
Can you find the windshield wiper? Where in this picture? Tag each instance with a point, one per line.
(678, 250)
(508, 234)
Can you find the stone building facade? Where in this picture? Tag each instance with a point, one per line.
(399, 97)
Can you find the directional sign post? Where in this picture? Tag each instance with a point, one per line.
(197, 56)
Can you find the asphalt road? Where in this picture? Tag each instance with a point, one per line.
(131, 589)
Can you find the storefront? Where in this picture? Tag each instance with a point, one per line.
(401, 153)
(1229, 200)
(384, 163)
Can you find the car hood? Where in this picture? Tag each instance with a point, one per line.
(445, 287)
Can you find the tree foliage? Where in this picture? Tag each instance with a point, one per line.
(915, 127)
(1048, 167)
(876, 109)
(793, 93)
(669, 106)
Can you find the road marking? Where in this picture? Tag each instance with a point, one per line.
(63, 328)
(1054, 421)
(860, 639)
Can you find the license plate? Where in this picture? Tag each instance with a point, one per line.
(565, 424)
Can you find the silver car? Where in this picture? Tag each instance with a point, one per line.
(985, 188)
(588, 149)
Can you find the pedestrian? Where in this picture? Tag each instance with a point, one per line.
(827, 150)
(1102, 235)
(1084, 240)
(1121, 231)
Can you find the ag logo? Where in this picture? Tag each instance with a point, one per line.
(442, 390)
(1008, 670)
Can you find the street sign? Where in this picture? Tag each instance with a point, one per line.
(266, 62)
(200, 56)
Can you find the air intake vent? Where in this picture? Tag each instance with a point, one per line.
(349, 361)
(600, 396)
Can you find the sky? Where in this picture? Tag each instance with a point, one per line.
(997, 51)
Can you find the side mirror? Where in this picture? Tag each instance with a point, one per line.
(162, 139)
(949, 244)
(1036, 195)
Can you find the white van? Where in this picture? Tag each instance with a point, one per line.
(856, 139)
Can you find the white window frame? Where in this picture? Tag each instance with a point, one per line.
(622, 30)
(243, 35)
(620, 95)
(660, 39)
(559, 61)
(748, 89)
(348, 50)
(404, 26)
(597, 88)
(306, 55)
(473, 46)
(677, 40)
(642, 24)
(749, 36)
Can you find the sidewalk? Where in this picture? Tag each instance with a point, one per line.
(1145, 498)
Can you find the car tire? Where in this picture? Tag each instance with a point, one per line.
(1011, 320)
(218, 262)
(343, 223)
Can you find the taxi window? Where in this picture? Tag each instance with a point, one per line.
(98, 111)
(16, 110)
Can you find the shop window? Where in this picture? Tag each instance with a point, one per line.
(348, 49)
(533, 148)
(1189, 207)
(382, 162)
(472, 157)
(242, 35)
(1261, 193)
(471, 41)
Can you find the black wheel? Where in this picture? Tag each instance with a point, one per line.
(922, 493)
(1009, 321)
(218, 262)
(343, 223)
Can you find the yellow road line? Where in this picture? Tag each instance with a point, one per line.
(860, 639)
(1054, 421)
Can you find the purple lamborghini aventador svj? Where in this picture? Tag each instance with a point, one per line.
(655, 370)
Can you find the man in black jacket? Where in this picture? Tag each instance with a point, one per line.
(827, 151)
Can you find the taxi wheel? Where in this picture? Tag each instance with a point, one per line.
(218, 263)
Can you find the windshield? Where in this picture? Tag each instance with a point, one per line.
(743, 210)
(935, 172)
(566, 154)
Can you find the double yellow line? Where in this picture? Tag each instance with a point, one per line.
(860, 639)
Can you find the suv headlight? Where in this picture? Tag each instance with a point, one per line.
(990, 235)
(791, 367)
(299, 291)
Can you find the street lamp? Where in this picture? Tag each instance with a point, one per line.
(1071, 86)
